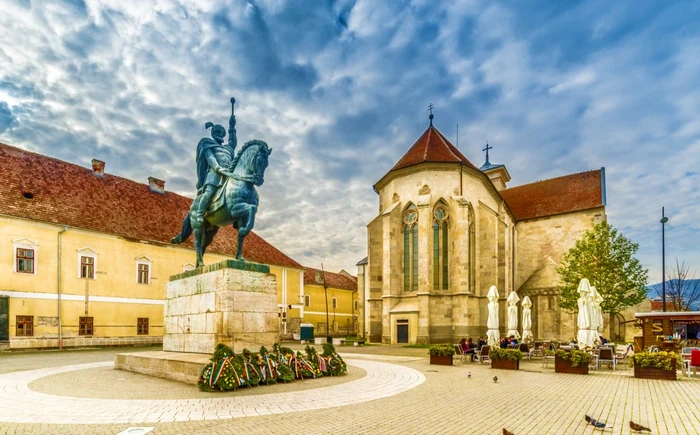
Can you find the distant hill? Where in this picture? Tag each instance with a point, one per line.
(654, 290)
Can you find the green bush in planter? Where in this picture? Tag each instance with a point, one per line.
(577, 357)
(441, 350)
(656, 360)
(499, 354)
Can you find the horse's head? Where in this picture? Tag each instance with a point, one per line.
(251, 162)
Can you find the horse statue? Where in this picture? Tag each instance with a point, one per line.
(234, 203)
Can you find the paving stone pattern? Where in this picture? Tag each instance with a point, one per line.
(530, 401)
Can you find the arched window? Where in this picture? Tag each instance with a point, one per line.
(410, 248)
(440, 247)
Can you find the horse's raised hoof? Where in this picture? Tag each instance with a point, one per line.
(176, 240)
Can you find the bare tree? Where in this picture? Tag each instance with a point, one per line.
(682, 287)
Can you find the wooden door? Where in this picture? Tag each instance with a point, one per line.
(402, 333)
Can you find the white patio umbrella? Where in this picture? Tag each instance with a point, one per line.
(596, 314)
(527, 320)
(513, 315)
(492, 335)
(584, 314)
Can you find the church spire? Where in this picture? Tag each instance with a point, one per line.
(487, 154)
(430, 107)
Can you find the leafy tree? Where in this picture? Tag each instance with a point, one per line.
(682, 288)
(606, 258)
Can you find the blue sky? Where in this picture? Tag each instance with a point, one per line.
(340, 91)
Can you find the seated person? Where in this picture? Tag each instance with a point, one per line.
(463, 344)
(504, 343)
(471, 348)
(481, 342)
(512, 341)
(603, 340)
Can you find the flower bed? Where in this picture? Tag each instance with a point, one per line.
(572, 361)
(507, 359)
(655, 365)
(441, 354)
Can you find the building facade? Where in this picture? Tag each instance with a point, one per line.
(447, 231)
(85, 255)
(338, 297)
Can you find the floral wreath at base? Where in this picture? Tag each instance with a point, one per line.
(228, 371)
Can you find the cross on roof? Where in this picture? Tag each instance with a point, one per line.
(430, 107)
(487, 152)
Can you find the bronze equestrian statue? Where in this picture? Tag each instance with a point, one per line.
(226, 183)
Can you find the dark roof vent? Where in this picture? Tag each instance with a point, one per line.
(28, 195)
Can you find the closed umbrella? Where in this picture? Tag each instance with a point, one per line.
(596, 314)
(513, 315)
(584, 314)
(492, 335)
(527, 320)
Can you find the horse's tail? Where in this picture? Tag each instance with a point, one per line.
(186, 231)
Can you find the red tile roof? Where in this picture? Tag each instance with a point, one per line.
(659, 306)
(333, 280)
(432, 147)
(68, 194)
(570, 193)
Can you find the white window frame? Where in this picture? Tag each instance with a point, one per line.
(25, 243)
(87, 251)
(307, 298)
(335, 303)
(144, 260)
(187, 267)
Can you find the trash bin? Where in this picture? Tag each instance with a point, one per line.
(306, 331)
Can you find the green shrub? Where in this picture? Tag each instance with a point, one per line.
(496, 353)
(441, 350)
(657, 360)
(577, 357)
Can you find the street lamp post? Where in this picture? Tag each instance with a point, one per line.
(664, 219)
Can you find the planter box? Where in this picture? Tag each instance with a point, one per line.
(505, 364)
(654, 373)
(564, 366)
(441, 360)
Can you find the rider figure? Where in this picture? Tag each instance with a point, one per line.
(214, 159)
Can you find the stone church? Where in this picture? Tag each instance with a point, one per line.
(447, 231)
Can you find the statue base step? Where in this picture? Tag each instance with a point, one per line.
(231, 302)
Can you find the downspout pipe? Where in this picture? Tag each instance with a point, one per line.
(58, 288)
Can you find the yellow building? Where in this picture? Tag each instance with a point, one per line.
(84, 255)
(342, 302)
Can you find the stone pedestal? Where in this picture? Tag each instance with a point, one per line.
(231, 302)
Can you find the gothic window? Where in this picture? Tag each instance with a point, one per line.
(440, 247)
(410, 249)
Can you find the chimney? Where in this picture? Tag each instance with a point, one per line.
(156, 185)
(98, 167)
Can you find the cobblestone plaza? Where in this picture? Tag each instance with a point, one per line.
(388, 389)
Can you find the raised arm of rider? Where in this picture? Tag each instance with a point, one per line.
(232, 137)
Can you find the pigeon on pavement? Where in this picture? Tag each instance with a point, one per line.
(507, 432)
(495, 379)
(597, 424)
(469, 375)
(638, 427)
